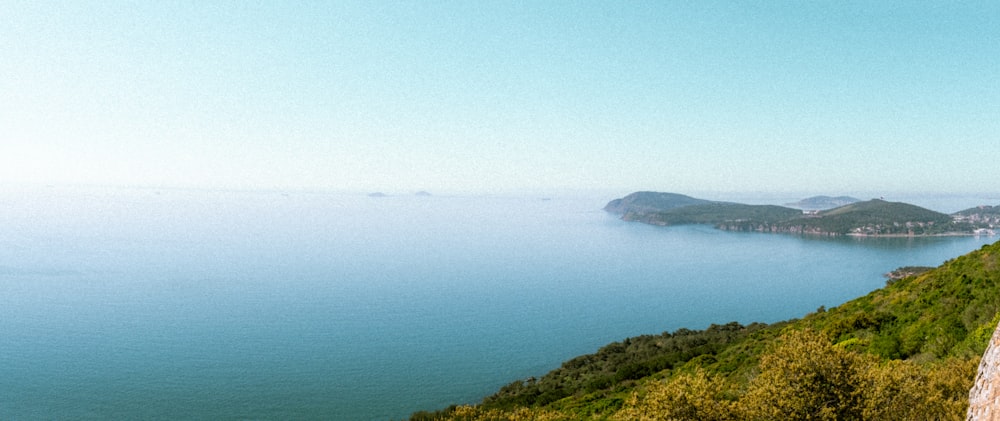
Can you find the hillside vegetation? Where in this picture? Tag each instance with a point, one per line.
(876, 217)
(718, 213)
(647, 201)
(908, 351)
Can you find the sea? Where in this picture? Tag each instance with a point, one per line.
(156, 303)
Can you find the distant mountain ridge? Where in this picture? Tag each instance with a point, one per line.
(875, 217)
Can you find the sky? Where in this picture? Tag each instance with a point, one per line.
(488, 96)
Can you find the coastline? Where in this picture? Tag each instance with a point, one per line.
(945, 234)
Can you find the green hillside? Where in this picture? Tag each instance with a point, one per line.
(876, 217)
(645, 201)
(907, 351)
(717, 213)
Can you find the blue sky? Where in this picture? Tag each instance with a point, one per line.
(822, 97)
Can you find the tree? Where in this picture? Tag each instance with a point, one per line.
(805, 377)
(695, 396)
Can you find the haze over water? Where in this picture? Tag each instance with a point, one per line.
(147, 304)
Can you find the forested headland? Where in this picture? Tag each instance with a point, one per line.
(874, 217)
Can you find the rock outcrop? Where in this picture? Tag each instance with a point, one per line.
(984, 397)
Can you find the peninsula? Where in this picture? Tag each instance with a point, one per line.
(874, 217)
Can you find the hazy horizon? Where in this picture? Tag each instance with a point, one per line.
(946, 202)
(496, 96)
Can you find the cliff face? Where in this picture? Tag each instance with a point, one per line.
(984, 397)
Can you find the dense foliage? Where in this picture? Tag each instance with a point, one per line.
(805, 376)
(734, 214)
(908, 351)
(619, 362)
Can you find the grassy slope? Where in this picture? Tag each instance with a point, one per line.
(926, 330)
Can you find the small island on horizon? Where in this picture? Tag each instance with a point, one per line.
(875, 217)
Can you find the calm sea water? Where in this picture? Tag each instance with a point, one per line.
(145, 304)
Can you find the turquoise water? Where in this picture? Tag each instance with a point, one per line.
(145, 304)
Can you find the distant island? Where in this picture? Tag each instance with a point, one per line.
(874, 217)
(823, 202)
(380, 194)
